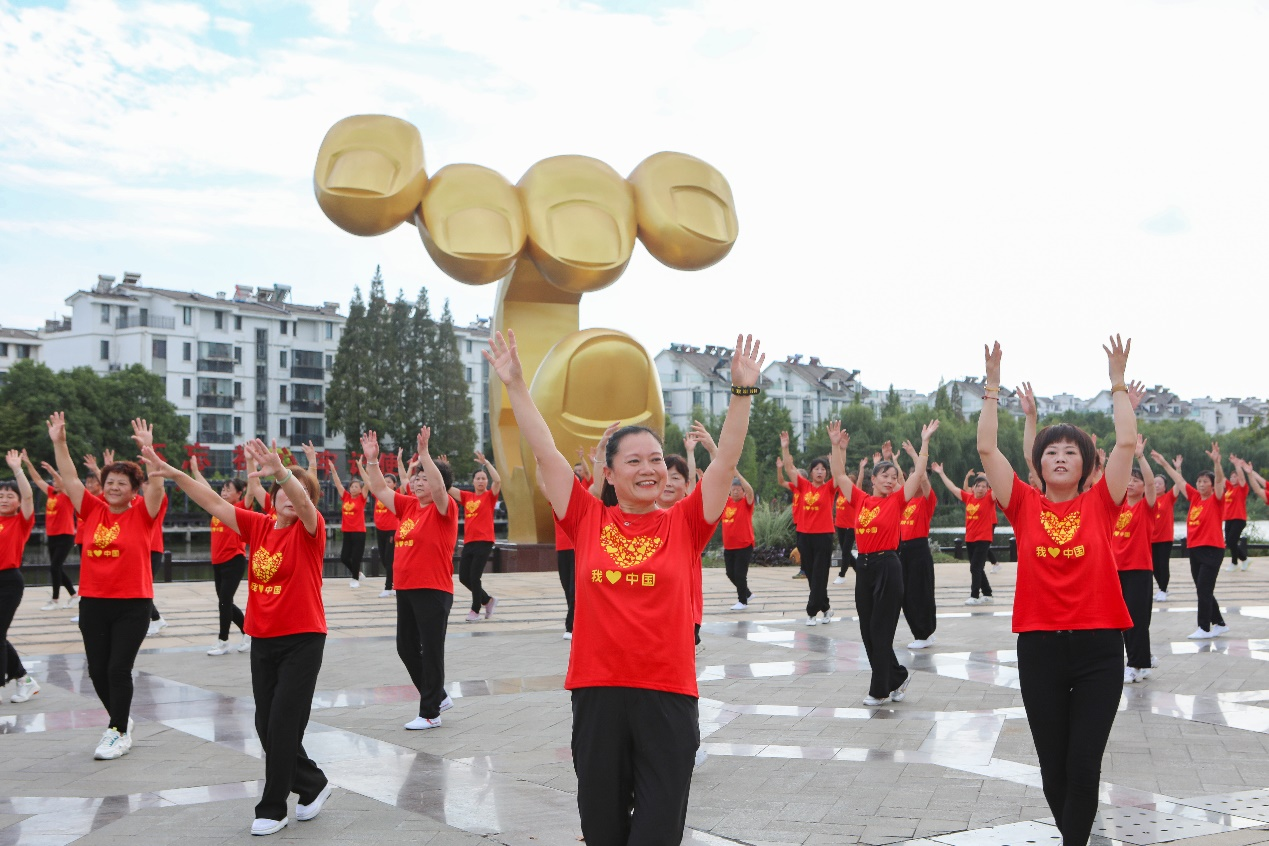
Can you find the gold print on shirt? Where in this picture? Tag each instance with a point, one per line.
(729, 514)
(1061, 529)
(348, 508)
(907, 512)
(1125, 517)
(867, 515)
(613, 576)
(264, 565)
(627, 552)
(405, 528)
(809, 499)
(103, 537)
(971, 509)
(1195, 511)
(471, 507)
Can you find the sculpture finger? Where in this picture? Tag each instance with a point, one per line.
(472, 223)
(370, 177)
(685, 210)
(581, 222)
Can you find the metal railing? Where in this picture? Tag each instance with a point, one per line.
(215, 401)
(206, 436)
(301, 372)
(149, 320)
(216, 365)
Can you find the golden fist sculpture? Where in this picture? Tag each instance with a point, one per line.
(567, 227)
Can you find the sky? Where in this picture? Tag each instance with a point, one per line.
(912, 179)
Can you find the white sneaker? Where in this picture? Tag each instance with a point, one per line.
(840, 580)
(701, 755)
(1154, 662)
(420, 723)
(987, 600)
(51, 605)
(826, 619)
(384, 594)
(918, 644)
(125, 739)
(1231, 567)
(1199, 634)
(810, 621)
(221, 648)
(901, 691)
(72, 602)
(110, 747)
(1218, 630)
(156, 627)
(1130, 675)
(739, 606)
(473, 616)
(1143, 673)
(446, 704)
(973, 601)
(995, 568)
(75, 619)
(1161, 596)
(568, 635)
(1243, 566)
(490, 606)
(26, 688)
(312, 809)
(244, 645)
(872, 700)
(262, 826)
(353, 583)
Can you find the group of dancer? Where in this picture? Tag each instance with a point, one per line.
(1084, 527)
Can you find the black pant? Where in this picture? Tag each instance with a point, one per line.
(386, 540)
(113, 630)
(1071, 683)
(978, 583)
(1161, 557)
(566, 563)
(1233, 538)
(918, 587)
(845, 540)
(351, 551)
(156, 561)
(471, 566)
(878, 598)
(817, 561)
(1205, 566)
(283, 677)
(800, 543)
(11, 588)
(736, 561)
(228, 576)
(422, 620)
(1136, 587)
(59, 546)
(633, 749)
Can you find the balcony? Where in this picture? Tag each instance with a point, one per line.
(300, 372)
(147, 320)
(300, 439)
(215, 401)
(216, 365)
(310, 406)
(215, 437)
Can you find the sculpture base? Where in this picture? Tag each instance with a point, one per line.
(510, 557)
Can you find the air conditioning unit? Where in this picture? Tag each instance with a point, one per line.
(115, 367)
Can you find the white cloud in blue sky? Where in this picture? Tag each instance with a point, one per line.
(959, 168)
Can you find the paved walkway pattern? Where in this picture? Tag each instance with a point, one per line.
(794, 757)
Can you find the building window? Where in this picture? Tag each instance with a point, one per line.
(281, 393)
(4, 350)
(220, 320)
(697, 398)
(469, 348)
(282, 359)
(282, 428)
(330, 362)
(237, 355)
(237, 322)
(185, 387)
(237, 390)
(237, 425)
(678, 377)
(187, 351)
(330, 330)
(469, 375)
(282, 326)
(105, 350)
(187, 315)
(158, 348)
(105, 314)
(665, 398)
(24, 350)
(806, 406)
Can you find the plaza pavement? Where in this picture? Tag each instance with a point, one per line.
(794, 757)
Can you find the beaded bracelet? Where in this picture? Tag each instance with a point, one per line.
(741, 391)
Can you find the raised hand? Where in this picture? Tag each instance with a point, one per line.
(991, 356)
(142, 432)
(14, 459)
(784, 440)
(1136, 393)
(1117, 357)
(936, 466)
(330, 466)
(703, 437)
(779, 463)
(108, 456)
(57, 427)
(836, 435)
(504, 358)
(1026, 399)
(268, 461)
(746, 362)
(157, 467)
(480, 459)
(1141, 446)
(876, 459)
(887, 452)
(421, 440)
(928, 430)
(193, 463)
(910, 450)
(310, 454)
(1214, 453)
(370, 445)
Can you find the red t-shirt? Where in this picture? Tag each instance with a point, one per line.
(634, 582)
(226, 544)
(877, 520)
(914, 522)
(797, 512)
(843, 514)
(1203, 521)
(156, 531)
(737, 523)
(563, 543)
(14, 532)
(425, 545)
(1066, 570)
(816, 505)
(284, 580)
(116, 559)
(1164, 522)
(353, 517)
(980, 516)
(1235, 505)
(1130, 538)
(478, 516)
(269, 510)
(59, 515)
(385, 520)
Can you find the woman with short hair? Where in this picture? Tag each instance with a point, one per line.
(17, 519)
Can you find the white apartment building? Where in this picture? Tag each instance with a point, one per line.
(813, 392)
(246, 364)
(15, 345)
(472, 339)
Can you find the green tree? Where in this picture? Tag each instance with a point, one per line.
(452, 430)
(893, 407)
(346, 398)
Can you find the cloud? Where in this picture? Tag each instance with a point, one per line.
(1171, 221)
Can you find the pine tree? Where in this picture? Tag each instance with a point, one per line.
(420, 396)
(379, 402)
(350, 375)
(452, 428)
(400, 352)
